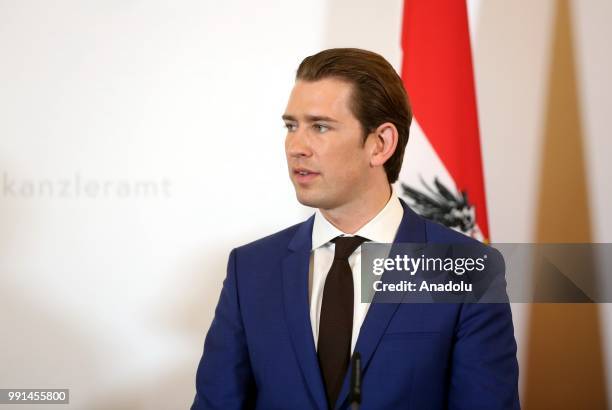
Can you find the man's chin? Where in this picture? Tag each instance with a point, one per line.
(313, 201)
(308, 200)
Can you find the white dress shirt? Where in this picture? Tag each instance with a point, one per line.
(382, 228)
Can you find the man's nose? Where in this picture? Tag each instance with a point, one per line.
(297, 144)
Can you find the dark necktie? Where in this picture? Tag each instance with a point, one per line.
(336, 320)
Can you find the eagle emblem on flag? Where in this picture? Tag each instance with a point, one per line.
(440, 204)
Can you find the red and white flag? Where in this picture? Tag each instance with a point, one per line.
(442, 176)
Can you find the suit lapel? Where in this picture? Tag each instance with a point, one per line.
(295, 269)
(411, 229)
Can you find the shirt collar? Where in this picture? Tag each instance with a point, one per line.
(382, 228)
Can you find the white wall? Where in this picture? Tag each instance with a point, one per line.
(111, 295)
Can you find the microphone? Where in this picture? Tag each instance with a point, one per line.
(355, 387)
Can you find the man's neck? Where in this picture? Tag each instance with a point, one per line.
(349, 218)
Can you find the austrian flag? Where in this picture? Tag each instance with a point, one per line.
(442, 176)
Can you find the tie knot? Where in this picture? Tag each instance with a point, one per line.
(346, 245)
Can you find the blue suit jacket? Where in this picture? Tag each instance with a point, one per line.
(260, 353)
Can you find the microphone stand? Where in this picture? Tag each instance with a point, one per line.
(355, 387)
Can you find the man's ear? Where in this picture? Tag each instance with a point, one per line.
(383, 143)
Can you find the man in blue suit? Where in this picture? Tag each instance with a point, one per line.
(290, 312)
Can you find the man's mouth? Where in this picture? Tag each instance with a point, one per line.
(303, 171)
(304, 175)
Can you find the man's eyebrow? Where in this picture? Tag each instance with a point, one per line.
(313, 118)
(310, 118)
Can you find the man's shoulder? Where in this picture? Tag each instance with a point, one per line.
(275, 241)
(438, 233)
(443, 235)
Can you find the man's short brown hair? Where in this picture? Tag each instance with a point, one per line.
(378, 94)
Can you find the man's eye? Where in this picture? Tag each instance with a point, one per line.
(321, 128)
(290, 127)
